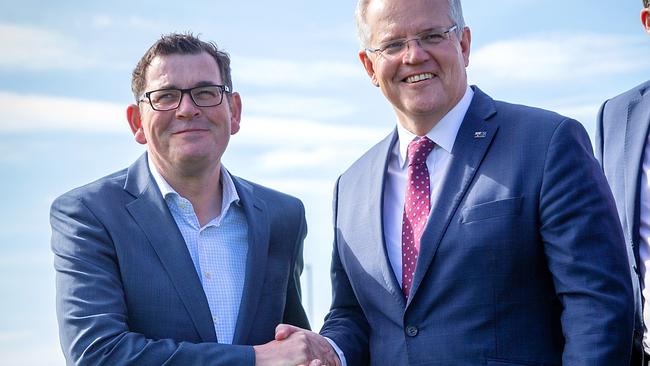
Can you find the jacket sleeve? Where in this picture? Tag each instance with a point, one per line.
(585, 251)
(294, 312)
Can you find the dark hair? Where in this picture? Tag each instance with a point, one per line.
(179, 44)
(646, 3)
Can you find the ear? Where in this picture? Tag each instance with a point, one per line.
(368, 65)
(135, 122)
(645, 19)
(465, 44)
(235, 112)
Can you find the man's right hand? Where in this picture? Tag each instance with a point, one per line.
(291, 351)
(296, 346)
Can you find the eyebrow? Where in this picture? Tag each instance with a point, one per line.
(427, 30)
(197, 85)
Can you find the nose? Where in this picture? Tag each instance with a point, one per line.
(187, 109)
(414, 52)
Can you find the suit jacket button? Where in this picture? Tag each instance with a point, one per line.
(411, 331)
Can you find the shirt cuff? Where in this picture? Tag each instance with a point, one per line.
(338, 352)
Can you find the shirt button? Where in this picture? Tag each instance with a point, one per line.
(214, 319)
(208, 275)
(411, 331)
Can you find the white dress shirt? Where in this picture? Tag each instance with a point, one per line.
(644, 244)
(443, 134)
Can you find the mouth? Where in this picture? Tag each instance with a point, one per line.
(190, 130)
(418, 77)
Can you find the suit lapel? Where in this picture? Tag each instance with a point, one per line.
(636, 133)
(474, 137)
(258, 244)
(151, 213)
(377, 174)
(365, 209)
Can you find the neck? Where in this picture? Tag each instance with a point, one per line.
(421, 124)
(418, 126)
(202, 188)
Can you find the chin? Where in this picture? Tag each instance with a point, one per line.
(188, 156)
(423, 108)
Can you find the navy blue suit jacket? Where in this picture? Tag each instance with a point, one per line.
(522, 261)
(621, 135)
(128, 293)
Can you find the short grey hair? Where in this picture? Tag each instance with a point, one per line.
(363, 31)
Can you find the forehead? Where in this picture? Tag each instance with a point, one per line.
(394, 18)
(182, 71)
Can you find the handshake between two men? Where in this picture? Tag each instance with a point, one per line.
(296, 346)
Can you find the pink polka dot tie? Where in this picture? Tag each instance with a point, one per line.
(416, 207)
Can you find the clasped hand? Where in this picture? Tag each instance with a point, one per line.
(296, 346)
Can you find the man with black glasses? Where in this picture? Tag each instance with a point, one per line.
(174, 260)
(623, 150)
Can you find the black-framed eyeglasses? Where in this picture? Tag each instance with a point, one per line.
(426, 39)
(170, 99)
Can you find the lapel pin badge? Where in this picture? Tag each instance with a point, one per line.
(480, 134)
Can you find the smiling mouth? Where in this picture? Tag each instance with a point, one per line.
(190, 130)
(419, 77)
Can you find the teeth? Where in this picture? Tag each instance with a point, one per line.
(419, 77)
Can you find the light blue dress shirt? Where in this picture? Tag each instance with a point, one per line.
(218, 250)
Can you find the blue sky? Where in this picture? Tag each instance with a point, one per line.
(309, 110)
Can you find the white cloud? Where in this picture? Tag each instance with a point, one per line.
(290, 143)
(41, 112)
(302, 187)
(17, 336)
(28, 352)
(38, 113)
(557, 57)
(122, 22)
(583, 111)
(295, 105)
(32, 48)
(286, 142)
(302, 133)
(335, 156)
(305, 74)
(18, 261)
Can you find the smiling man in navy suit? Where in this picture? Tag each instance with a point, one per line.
(477, 232)
(623, 150)
(174, 260)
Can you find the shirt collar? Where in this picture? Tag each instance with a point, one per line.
(229, 194)
(443, 133)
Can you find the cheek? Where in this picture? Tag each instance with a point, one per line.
(155, 132)
(384, 72)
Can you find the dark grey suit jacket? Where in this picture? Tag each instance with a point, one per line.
(522, 260)
(621, 135)
(127, 292)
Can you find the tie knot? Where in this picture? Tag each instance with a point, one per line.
(418, 150)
